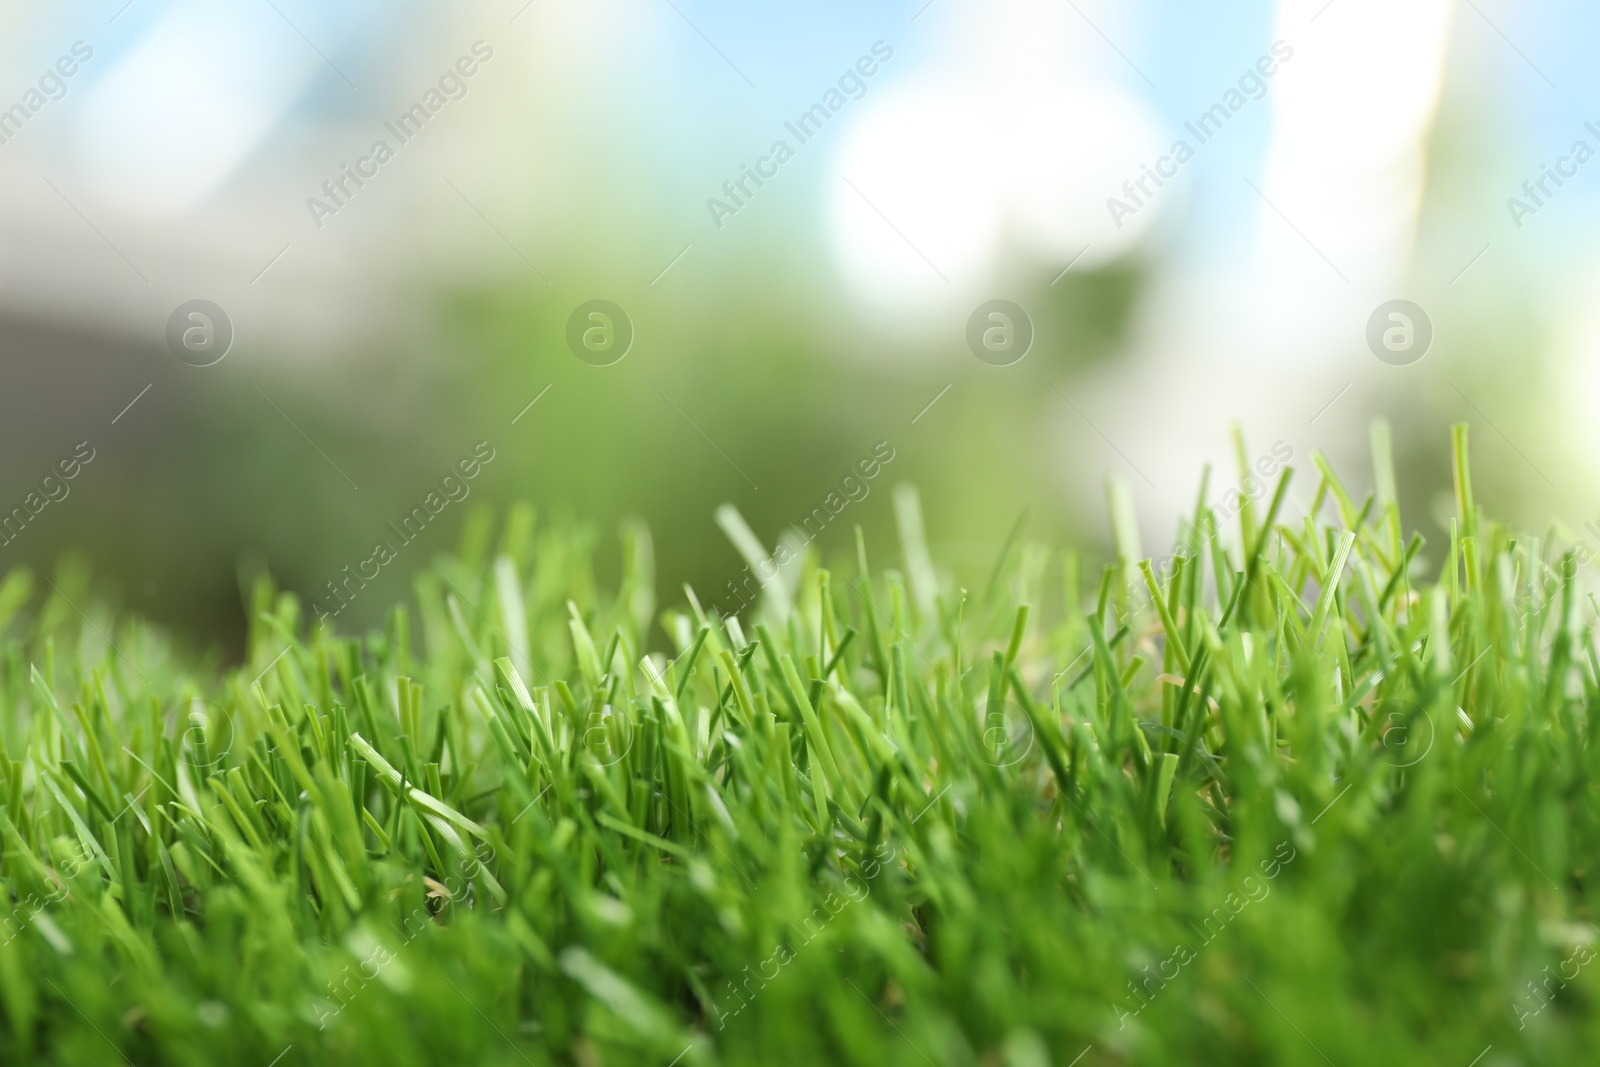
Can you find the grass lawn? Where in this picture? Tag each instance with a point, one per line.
(1318, 795)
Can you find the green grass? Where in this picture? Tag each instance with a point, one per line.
(1321, 795)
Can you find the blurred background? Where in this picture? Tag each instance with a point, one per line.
(385, 310)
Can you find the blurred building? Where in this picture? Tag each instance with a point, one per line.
(398, 208)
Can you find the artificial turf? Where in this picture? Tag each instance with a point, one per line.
(1317, 794)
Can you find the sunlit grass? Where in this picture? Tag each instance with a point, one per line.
(1320, 794)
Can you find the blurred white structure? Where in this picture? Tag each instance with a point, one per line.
(1009, 140)
(1268, 328)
